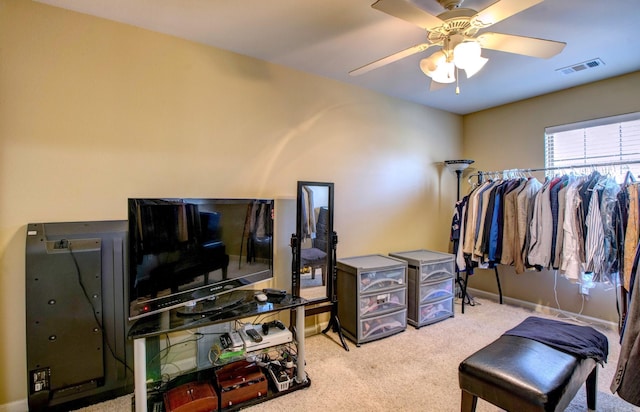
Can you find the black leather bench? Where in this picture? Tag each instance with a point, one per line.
(521, 374)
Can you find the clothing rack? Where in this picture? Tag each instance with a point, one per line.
(480, 178)
(481, 174)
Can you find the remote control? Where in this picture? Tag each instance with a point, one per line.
(254, 335)
(225, 340)
(231, 340)
(274, 292)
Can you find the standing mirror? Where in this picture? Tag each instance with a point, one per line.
(314, 252)
(314, 230)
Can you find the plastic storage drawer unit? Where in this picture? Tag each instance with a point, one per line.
(436, 291)
(383, 302)
(435, 311)
(431, 277)
(372, 296)
(382, 326)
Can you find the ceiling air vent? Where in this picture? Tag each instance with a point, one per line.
(574, 68)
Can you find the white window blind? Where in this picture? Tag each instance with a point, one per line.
(607, 140)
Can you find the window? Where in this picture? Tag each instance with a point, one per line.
(607, 140)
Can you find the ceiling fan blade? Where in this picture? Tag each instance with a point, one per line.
(435, 86)
(528, 46)
(390, 59)
(500, 10)
(408, 12)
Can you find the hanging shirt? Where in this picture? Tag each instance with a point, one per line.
(557, 257)
(510, 216)
(483, 202)
(555, 201)
(585, 193)
(524, 206)
(496, 224)
(594, 242)
(456, 227)
(631, 235)
(626, 381)
(471, 217)
(460, 261)
(482, 243)
(621, 210)
(491, 222)
(541, 228)
(572, 265)
(608, 203)
(455, 222)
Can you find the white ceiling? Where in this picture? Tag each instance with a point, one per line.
(331, 37)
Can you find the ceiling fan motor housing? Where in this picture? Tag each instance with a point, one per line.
(456, 21)
(450, 4)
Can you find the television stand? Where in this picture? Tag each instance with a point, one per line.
(169, 321)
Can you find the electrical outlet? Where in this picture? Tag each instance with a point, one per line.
(586, 283)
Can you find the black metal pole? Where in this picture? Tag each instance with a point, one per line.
(334, 322)
(462, 283)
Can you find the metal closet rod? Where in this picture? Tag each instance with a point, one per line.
(480, 174)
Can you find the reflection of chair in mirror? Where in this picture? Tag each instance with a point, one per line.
(315, 257)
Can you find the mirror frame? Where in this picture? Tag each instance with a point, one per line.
(296, 243)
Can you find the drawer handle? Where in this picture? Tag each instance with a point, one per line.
(443, 273)
(380, 281)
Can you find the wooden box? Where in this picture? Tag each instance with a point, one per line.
(239, 382)
(191, 397)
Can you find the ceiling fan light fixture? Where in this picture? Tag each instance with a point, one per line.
(466, 54)
(475, 66)
(445, 73)
(438, 68)
(429, 65)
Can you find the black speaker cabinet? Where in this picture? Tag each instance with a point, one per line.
(77, 347)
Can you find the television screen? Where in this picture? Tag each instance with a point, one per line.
(188, 250)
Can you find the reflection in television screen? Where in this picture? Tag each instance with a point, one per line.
(186, 250)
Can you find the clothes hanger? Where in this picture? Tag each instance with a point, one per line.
(629, 178)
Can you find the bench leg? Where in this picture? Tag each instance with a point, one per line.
(469, 402)
(592, 388)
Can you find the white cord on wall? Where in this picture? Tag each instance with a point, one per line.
(564, 314)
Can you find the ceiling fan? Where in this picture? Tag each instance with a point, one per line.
(456, 32)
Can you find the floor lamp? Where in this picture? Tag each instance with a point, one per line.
(458, 166)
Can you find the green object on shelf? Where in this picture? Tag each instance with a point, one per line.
(231, 354)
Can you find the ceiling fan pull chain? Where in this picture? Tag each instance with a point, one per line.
(457, 80)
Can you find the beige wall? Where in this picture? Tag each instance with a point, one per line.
(93, 112)
(518, 131)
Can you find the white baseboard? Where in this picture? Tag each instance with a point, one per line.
(543, 309)
(17, 406)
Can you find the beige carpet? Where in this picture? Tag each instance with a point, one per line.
(415, 370)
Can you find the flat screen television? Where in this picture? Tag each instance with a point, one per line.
(183, 251)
